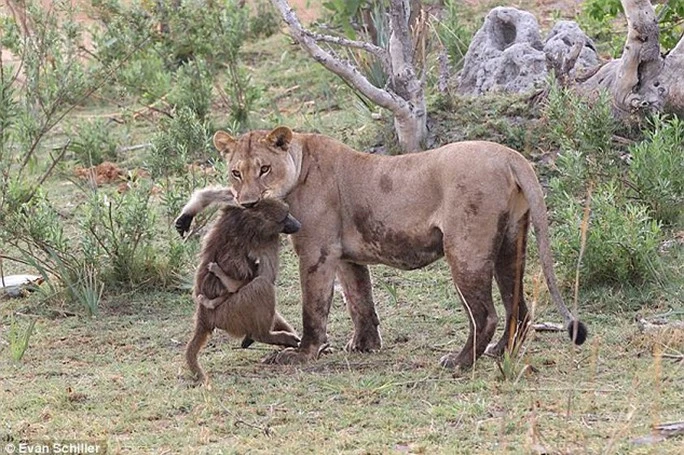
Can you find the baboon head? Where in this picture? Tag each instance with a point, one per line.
(270, 217)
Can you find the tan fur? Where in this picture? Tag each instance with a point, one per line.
(235, 280)
(469, 202)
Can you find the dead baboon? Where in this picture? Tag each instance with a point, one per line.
(235, 281)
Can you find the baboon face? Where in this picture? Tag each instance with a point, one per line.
(273, 217)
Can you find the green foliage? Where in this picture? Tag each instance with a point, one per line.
(93, 142)
(656, 170)
(179, 139)
(583, 125)
(192, 89)
(19, 338)
(622, 238)
(598, 18)
(265, 22)
(347, 14)
(454, 33)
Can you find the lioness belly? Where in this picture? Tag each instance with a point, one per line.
(374, 243)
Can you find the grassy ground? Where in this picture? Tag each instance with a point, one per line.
(120, 377)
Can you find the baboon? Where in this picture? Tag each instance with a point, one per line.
(235, 281)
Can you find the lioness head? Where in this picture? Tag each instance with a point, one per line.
(261, 164)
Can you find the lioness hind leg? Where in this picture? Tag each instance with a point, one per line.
(473, 278)
(509, 270)
(358, 295)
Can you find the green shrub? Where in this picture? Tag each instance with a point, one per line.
(598, 16)
(454, 33)
(192, 89)
(179, 139)
(580, 124)
(656, 170)
(264, 22)
(93, 142)
(622, 239)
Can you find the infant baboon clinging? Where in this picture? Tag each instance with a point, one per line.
(235, 280)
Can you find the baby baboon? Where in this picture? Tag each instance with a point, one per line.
(235, 280)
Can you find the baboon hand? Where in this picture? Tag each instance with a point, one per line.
(213, 268)
(182, 223)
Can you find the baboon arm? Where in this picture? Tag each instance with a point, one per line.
(200, 200)
(231, 285)
(268, 267)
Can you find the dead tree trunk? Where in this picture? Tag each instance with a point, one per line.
(636, 80)
(404, 95)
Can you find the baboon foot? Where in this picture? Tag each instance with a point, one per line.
(247, 342)
(289, 356)
(496, 350)
(456, 362)
(368, 340)
(201, 299)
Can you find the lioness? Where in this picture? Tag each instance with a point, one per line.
(467, 201)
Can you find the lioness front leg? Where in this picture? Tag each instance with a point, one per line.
(358, 295)
(317, 276)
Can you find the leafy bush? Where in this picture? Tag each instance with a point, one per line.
(93, 143)
(656, 170)
(622, 239)
(264, 22)
(454, 33)
(597, 18)
(179, 139)
(192, 89)
(584, 125)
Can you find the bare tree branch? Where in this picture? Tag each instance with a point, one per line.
(404, 95)
(341, 68)
(340, 41)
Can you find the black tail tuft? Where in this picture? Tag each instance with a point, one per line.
(581, 335)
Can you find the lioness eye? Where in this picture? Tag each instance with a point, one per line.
(265, 169)
(236, 174)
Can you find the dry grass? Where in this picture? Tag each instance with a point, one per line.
(121, 378)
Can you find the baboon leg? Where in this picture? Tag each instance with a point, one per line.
(279, 338)
(472, 272)
(280, 324)
(358, 295)
(229, 283)
(509, 271)
(199, 338)
(200, 200)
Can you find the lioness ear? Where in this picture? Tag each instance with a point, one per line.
(224, 142)
(280, 138)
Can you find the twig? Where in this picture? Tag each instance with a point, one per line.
(238, 421)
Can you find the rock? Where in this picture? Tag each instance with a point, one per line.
(15, 285)
(561, 40)
(507, 53)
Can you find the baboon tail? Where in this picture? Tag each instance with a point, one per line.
(192, 350)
